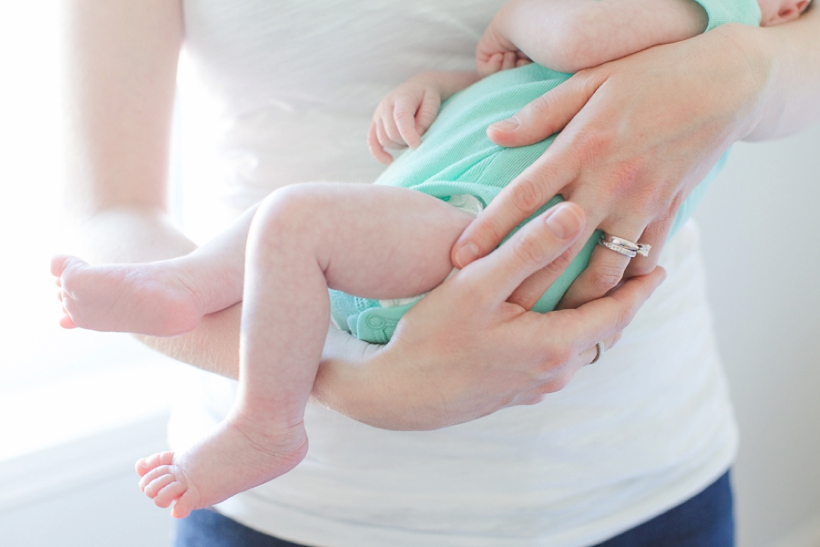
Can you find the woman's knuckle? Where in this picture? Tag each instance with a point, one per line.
(627, 172)
(535, 399)
(527, 196)
(595, 144)
(542, 105)
(554, 385)
(561, 263)
(480, 298)
(642, 268)
(565, 354)
(605, 277)
(558, 357)
(528, 250)
(624, 317)
(470, 290)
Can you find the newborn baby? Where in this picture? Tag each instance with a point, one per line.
(385, 243)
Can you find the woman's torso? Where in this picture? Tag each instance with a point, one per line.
(646, 427)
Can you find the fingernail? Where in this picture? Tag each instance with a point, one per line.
(466, 254)
(563, 221)
(505, 126)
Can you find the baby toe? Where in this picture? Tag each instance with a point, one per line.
(67, 323)
(183, 506)
(57, 263)
(154, 460)
(158, 484)
(153, 475)
(167, 495)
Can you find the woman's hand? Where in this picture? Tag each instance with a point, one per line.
(464, 351)
(639, 134)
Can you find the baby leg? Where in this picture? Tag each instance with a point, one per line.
(163, 298)
(373, 241)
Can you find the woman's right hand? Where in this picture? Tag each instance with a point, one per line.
(464, 352)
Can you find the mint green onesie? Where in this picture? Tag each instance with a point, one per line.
(457, 158)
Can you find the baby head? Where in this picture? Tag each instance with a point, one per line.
(776, 12)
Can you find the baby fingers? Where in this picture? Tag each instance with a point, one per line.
(375, 146)
(404, 120)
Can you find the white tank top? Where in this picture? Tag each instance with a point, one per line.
(645, 428)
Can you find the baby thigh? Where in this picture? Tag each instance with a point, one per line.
(382, 242)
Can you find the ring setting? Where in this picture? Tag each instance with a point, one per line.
(624, 246)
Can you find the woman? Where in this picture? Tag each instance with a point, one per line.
(624, 441)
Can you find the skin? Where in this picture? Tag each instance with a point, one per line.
(629, 155)
(119, 118)
(777, 12)
(570, 35)
(762, 83)
(564, 35)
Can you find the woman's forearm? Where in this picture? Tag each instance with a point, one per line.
(142, 234)
(118, 87)
(213, 346)
(791, 53)
(120, 60)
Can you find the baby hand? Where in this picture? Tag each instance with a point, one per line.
(404, 116)
(496, 53)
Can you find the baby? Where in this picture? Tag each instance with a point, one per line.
(383, 243)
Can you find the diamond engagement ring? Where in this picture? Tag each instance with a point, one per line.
(617, 248)
(600, 351)
(624, 246)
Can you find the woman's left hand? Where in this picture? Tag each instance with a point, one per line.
(464, 351)
(638, 134)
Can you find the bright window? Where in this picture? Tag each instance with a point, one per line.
(55, 385)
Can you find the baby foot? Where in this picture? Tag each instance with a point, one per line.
(154, 299)
(236, 457)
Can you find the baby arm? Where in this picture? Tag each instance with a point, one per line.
(570, 35)
(408, 111)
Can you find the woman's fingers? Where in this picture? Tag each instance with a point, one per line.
(530, 291)
(585, 358)
(606, 265)
(530, 190)
(654, 235)
(579, 330)
(537, 244)
(547, 114)
(541, 180)
(602, 318)
(607, 268)
(593, 355)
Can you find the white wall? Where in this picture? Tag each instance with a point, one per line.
(762, 247)
(84, 493)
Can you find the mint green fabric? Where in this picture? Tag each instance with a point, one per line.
(721, 12)
(456, 157)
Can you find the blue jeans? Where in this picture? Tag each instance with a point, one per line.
(706, 520)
